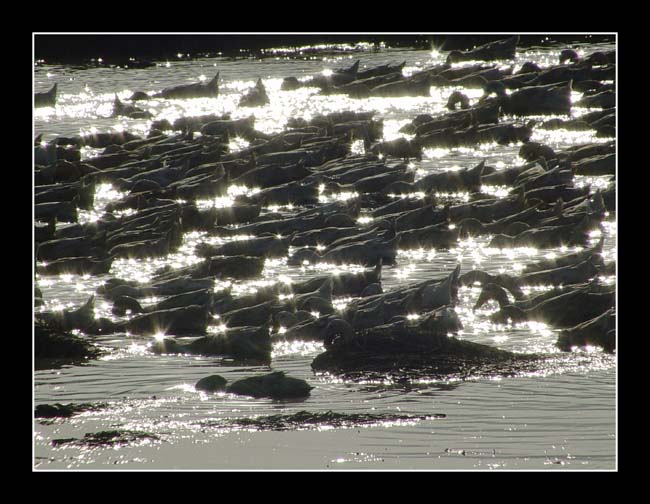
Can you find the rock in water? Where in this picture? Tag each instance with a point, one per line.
(52, 342)
(274, 385)
(59, 410)
(212, 383)
(423, 344)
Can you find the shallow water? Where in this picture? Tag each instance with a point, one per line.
(562, 416)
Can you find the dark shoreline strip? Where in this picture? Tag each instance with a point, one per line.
(117, 49)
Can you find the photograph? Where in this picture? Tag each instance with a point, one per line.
(324, 252)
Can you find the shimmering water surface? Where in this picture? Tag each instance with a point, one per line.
(562, 416)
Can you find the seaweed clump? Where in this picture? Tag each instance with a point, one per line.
(107, 438)
(311, 420)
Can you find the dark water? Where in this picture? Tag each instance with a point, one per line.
(563, 416)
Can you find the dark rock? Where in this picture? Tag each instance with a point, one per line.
(274, 385)
(51, 342)
(59, 410)
(212, 383)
